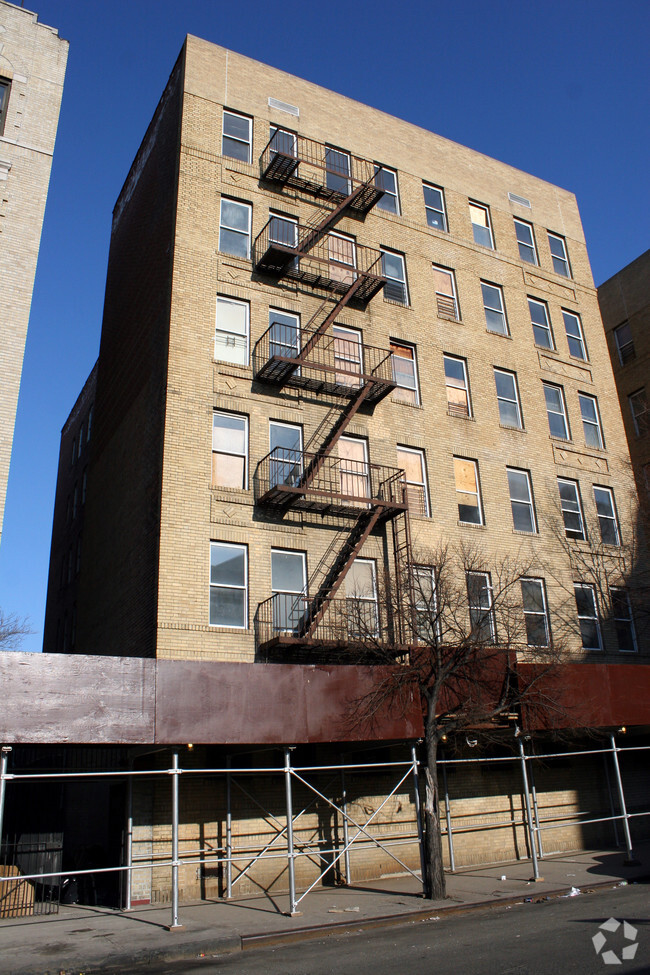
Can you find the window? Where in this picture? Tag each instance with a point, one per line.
(417, 494)
(353, 469)
(75, 501)
(289, 588)
(495, 314)
(348, 356)
(285, 447)
(337, 166)
(481, 609)
(624, 343)
(284, 334)
(556, 411)
(574, 335)
(342, 255)
(458, 401)
(434, 205)
(284, 143)
(559, 255)
(78, 559)
(235, 228)
(361, 593)
(73, 453)
(386, 180)
(480, 217)
(393, 269)
(591, 420)
(609, 533)
(571, 507)
(639, 409)
(588, 616)
(508, 398)
(404, 365)
(526, 242)
(84, 486)
(541, 324)
(284, 231)
(228, 585)
(427, 623)
(5, 88)
(89, 424)
(229, 450)
(533, 596)
(623, 620)
(521, 501)
(467, 491)
(445, 286)
(236, 138)
(231, 333)
(80, 445)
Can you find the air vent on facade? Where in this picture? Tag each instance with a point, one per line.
(521, 200)
(284, 107)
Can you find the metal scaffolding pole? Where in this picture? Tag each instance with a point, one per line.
(612, 809)
(450, 835)
(174, 771)
(129, 844)
(346, 837)
(621, 798)
(3, 780)
(418, 816)
(228, 831)
(290, 853)
(538, 832)
(529, 816)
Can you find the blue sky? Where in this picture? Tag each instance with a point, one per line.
(559, 89)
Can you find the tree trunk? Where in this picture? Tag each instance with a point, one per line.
(435, 885)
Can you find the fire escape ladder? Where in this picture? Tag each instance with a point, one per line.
(404, 623)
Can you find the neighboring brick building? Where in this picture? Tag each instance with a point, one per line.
(32, 67)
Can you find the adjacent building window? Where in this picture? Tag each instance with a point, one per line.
(5, 88)
(361, 593)
(386, 180)
(508, 398)
(624, 343)
(571, 507)
(228, 585)
(591, 420)
(556, 411)
(235, 228)
(588, 616)
(231, 333)
(337, 166)
(289, 587)
(606, 511)
(404, 366)
(481, 227)
(434, 205)
(481, 608)
(457, 385)
(394, 270)
(445, 285)
(285, 448)
(541, 324)
(521, 501)
(495, 309)
(639, 409)
(468, 495)
(623, 620)
(89, 424)
(526, 242)
(538, 631)
(236, 139)
(417, 494)
(559, 255)
(229, 450)
(574, 335)
(427, 621)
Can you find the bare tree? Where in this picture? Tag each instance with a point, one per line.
(12, 631)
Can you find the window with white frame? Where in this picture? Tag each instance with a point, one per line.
(427, 621)
(541, 323)
(574, 335)
(606, 511)
(361, 597)
(405, 373)
(468, 495)
(411, 461)
(354, 470)
(481, 226)
(556, 411)
(386, 180)
(284, 143)
(289, 588)
(526, 242)
(285, 453)
(228, 585)
(521, 501)
(591, 420)
(342, 256)
(235, 228)
(446, 302)
(571, 507)
(393, 268)
(457, 386)
(624, 343)
(481, 607)
(494, 308)
(229, 450)
(639, 409)
(231, 331)
(623, 620)
(284, 333)
(508, 398)
(337, 166)
(348, 355)
(559, 255)
(5, 88)
(533, 595)
(434, 206)
(236, 138)
(588, 621)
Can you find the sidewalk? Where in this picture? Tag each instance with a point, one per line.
(91, 939)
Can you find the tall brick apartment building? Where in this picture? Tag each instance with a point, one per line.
(32, 67)
(309, 305)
